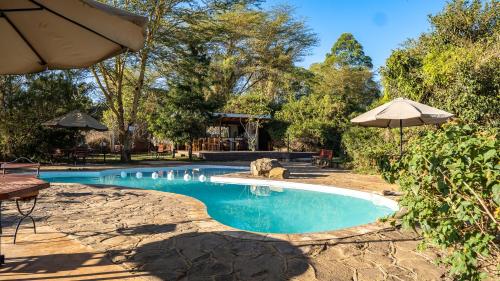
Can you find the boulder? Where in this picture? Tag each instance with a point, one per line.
(279, 173)
(262, 167)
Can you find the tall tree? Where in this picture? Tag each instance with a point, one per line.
(182, 112)
(347, 51)
(238, 51)
(181, 116)
(341, 85)
(129, 70)
(247, 48)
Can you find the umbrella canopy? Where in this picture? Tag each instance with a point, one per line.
(76, 119)
(401, 110)
(401, 113)
(63, 34)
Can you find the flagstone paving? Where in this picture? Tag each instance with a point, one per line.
(165, 236)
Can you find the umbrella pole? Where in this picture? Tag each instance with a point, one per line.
(400, 138)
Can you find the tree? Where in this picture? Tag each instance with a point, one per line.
(347, 51)
(248, 49)
(454, 67)
(27, 101)
(341, 85)
(183, 111)
(129, 70)
(181, 116)
(234, 52)
(450, 176)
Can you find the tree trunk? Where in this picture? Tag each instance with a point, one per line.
(124, 136)
(257, 135)
(190, 150)
(2, 121)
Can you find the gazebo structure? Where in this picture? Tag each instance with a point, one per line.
(237, 137)
(235, 132)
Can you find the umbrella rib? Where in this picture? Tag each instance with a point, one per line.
(78, 24)
(42, 61)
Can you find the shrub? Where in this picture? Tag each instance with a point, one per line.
(450, 180)
(366, 148)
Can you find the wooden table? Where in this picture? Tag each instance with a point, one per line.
(20, 188)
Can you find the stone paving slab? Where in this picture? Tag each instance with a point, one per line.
(52, 255)
(171, 237)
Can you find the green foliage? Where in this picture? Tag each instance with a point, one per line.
(251, 103)
(466, 21)
(247, 49)
(368, 148)
(456, 67)
(314, 119)
(27, 101)
(451, 180)
(347, 51)
(181, 115)
(341, 85)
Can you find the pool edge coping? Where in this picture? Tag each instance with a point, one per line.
(373, 197)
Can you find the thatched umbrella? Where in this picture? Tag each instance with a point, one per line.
(76, 120)
(64, 34)
(401, 113)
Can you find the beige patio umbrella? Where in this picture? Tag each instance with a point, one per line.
(37, 35)
(401, 113)
(77, 120)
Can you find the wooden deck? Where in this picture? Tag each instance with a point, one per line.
(253, 155)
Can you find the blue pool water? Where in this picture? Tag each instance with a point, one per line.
(253, 208)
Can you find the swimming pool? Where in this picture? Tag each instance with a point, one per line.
(252, 205)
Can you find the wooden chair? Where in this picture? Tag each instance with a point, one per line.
(316, 158)
(80, 153)
(57, 154)
(213, 144)
(225, 145)
(203, 145)
(242, 145)
(161, 150)
(328, 160)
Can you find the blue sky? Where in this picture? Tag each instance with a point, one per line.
(379, 25)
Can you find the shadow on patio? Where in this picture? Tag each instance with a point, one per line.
(217, 256)
(195, 256)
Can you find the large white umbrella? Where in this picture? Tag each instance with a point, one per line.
(401, 113)
(37, 35)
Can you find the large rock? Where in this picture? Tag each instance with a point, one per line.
(279, 173)
(262, 167)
